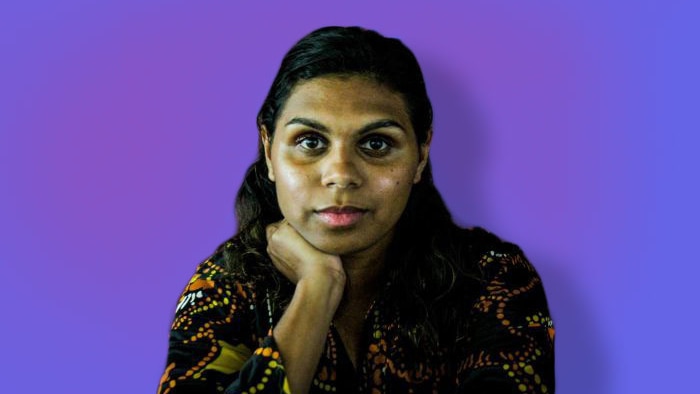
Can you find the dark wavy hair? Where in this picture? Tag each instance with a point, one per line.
(430, 265)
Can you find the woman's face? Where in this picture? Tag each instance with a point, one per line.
(344, 158)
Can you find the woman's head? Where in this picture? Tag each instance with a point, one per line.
(342, 52)
(344, 159)
(339, 94)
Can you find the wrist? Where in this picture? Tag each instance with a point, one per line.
(321, 272)
(323, 288)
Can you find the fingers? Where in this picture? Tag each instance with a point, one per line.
(278, 248)
(295, 257)
(270, 231)
(273, 227)
(280, 237)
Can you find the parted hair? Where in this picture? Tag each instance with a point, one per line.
(431, 264)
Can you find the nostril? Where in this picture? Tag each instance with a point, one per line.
(341, 175)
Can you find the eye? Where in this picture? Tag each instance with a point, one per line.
(311, 142)
(376, 145)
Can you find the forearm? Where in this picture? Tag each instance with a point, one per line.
(301, 332)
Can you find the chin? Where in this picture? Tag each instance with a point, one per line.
(349, 245)
(348, 242)
(338, 249)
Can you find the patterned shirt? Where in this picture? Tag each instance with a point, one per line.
(221, 342)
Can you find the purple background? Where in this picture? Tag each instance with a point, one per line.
(125, 128)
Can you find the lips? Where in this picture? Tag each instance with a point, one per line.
(341, 216)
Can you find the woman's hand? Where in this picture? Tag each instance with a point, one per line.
(320, 282)
(297, 259)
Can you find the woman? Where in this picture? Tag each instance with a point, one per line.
(347, 273)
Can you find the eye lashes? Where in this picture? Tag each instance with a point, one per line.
(306, 135)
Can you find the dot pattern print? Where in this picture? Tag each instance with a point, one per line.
(221, 342)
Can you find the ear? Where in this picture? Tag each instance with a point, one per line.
(423, 151)
(265, 138)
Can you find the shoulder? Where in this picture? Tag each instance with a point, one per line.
(510, 340)
(495, 257)
(218, 323)
(511, 291)
(212, 272)
(212, 287)
(512, 295)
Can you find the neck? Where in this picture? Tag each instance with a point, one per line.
(363, 277)
(364, 271)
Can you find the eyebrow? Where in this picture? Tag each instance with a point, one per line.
(308, 123)
(378, 124)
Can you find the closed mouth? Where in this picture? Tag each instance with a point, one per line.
(341, 217)
(342, 210)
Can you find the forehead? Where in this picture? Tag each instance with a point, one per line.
(354, 99)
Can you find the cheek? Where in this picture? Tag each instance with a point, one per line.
(397, 186)
(291, 183)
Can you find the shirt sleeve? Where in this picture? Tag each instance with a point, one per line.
(510, 342)
(214, 345)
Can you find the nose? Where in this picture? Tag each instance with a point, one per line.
(340, 169)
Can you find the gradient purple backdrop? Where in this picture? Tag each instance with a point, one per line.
(126, 128)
